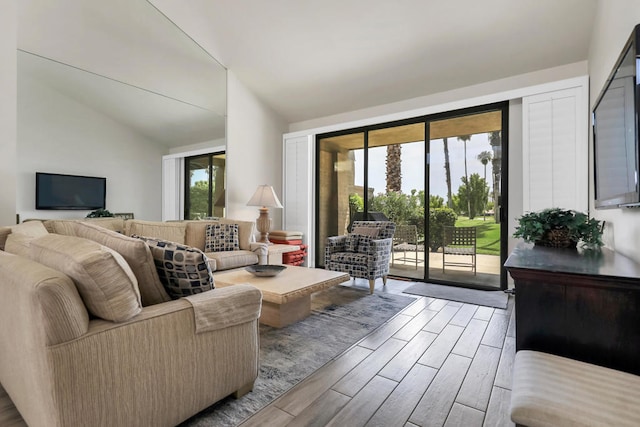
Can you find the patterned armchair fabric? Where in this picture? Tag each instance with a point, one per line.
(369, 259)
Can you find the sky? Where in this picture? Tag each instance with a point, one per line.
(413, 169)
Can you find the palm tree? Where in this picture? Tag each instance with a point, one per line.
(484, 158)
(465, 138)
(495, 140)
(394, 168)
(447, 171)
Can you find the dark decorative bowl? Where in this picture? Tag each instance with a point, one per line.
(265, 270)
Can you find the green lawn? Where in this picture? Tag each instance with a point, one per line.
(487, 234)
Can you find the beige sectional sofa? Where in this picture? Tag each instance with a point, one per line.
(190, 233)
(79, 345)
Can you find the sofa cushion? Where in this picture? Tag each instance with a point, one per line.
(172, 231)
(135, 252)
(183, 270)
(233, 259)
(104, 280)
(18, 244)
(30, 228)
(195, 233)
(221, 238)
(61, 226)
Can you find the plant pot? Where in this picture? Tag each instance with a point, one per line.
(557, 238)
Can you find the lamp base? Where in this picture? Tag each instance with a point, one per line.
(263, 225)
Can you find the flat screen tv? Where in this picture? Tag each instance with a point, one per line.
(57, 191)
(615, 131)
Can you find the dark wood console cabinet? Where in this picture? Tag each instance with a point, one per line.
(578, 304)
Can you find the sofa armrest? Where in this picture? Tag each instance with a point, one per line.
(262, 250)
(336, 243)
(225, 307)
(153, 369)
(380, 250)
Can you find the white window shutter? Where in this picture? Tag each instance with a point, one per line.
(298, 192)
(555, 150)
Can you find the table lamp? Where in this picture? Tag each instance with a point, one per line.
(264, 197)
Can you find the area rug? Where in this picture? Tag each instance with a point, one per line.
(497, 299)
(341, 316)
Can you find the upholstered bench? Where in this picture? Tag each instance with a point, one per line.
(550, 390)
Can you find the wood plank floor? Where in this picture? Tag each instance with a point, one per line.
(436, 363)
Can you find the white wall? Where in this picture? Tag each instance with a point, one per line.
(613, 24)
(215, 144)
(254, 151)
(8, 113)
(483, 93)
(57, 134)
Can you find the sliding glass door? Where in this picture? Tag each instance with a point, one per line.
(465, 196)
(435, 177)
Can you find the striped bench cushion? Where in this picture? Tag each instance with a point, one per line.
(550, 390)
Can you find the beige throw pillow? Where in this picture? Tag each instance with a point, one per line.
(30, 228)
(366, 231)
(135, 252)
(104, 280)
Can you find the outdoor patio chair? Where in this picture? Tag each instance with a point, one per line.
(365, 253)
(405, 240)
(459, 241)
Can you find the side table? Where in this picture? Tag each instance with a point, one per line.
(275, 252)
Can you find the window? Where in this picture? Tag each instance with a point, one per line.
(204, 186)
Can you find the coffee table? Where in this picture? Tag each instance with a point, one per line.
(286, 298)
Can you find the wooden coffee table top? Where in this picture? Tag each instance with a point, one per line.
(294, 282)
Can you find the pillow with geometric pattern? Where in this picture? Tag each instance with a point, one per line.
(183, 270)
(221, 238)
(364, 244)
(351, 242)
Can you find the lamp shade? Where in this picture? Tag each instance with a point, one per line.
(265, 196)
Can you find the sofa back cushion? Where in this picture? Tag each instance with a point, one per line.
(104, 280)
(183, 270)
(63, 226)
(135, 252)
(173, 231)
(195, 233)
(30, 228)
(19, 239)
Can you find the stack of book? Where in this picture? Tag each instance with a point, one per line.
(284, 237)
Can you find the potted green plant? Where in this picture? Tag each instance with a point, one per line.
(100, 213)
(560, 228)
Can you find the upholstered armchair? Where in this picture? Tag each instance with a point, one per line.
(364, 253)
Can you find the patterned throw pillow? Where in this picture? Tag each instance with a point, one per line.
(364, 244)
(351, 243)
(221, 238)
(183, 270)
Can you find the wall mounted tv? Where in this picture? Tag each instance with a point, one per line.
(616, 125)
(57, 191)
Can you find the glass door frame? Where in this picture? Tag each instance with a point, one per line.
(503, 107)
(187, 183)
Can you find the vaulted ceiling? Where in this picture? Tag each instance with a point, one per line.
(310, 59)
